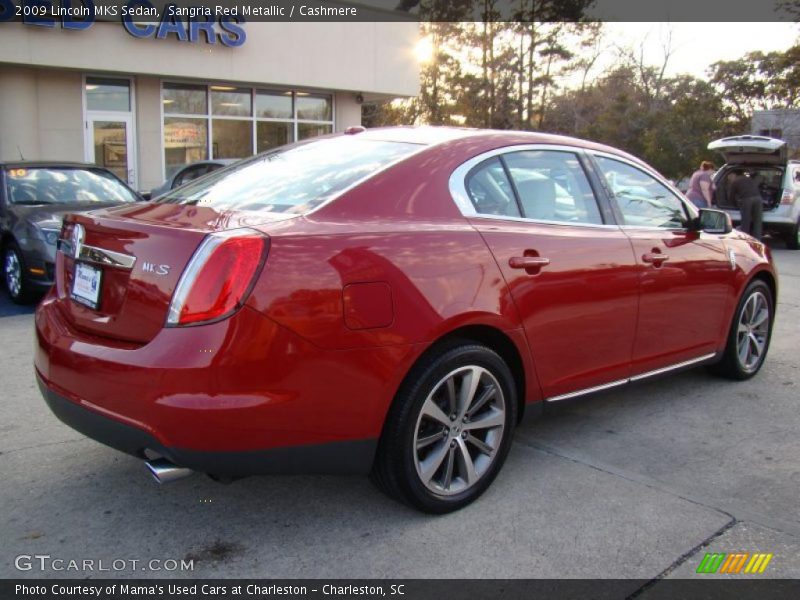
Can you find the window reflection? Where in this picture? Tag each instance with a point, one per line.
(108, 94)
(185, 141)
(232, 138)
(227, 121)
(313, 107)
(235, 102)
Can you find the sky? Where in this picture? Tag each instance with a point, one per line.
(698, 45)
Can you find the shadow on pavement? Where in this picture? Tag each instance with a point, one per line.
(9, 309)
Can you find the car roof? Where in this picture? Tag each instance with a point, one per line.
(431, 135)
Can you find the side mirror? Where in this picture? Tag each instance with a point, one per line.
(714, 221)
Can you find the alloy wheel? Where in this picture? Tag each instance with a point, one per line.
(13, 273)
(459, 430)
(753, 331)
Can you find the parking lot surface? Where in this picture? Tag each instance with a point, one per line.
(637, 482)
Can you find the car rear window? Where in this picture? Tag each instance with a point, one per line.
(293, 179)
(64, 185)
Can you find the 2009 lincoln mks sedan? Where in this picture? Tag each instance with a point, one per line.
(389, 302)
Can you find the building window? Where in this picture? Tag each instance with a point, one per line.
(773, 133)
(221, 121)
(108, 94)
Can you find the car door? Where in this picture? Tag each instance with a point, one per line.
(570, 273)
(685, 276)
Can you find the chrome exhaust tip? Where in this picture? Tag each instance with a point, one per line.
(165, 471)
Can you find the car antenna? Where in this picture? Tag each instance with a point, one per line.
(20, 153)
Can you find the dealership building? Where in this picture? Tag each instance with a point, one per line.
(144, 100)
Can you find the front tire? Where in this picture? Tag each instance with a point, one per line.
(449, 430)
(749, 335)
(14, 275)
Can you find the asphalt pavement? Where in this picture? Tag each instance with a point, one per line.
(638, 482)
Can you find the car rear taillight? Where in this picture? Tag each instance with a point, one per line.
(787, 197)
(218, 278)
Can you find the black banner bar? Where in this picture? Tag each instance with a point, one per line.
(156, 11)
(742, 588)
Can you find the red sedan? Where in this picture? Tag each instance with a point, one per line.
(389, 302)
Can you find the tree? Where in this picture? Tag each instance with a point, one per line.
(757, 81)
(497, 70)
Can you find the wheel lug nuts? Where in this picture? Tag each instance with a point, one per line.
(453, 444)
(464, 435)
(453, 417)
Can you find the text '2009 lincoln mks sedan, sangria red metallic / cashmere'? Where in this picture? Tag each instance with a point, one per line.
(389, 301)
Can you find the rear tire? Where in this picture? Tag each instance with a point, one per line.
(14, 275)
(749, 334)
(449, 429)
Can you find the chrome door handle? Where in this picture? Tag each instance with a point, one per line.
(528, 262)
(655, 258)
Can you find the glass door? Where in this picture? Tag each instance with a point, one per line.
(109, 144)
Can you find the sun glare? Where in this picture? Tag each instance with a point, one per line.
(424, 50)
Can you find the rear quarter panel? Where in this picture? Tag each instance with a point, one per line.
(403, 229)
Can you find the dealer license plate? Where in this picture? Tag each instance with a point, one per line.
(86, 285)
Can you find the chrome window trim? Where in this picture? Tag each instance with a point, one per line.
(618, 382)
(544, 222)
(458, 185)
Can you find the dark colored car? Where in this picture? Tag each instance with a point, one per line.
(765, 160)
(34, 196)
(189, 173)
(391, 302)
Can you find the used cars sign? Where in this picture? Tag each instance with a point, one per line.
(140, 18)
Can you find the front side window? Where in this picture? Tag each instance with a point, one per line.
(64, 186)
(642, 200)
(293, 179)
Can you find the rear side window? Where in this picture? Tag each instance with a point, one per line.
(642, 200)
(293, 179)
(553, 186)
(490, 190)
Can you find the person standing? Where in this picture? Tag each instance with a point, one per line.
(743, 192)
(700, 185)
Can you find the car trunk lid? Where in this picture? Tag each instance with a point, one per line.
(140, 253)
(750, 150)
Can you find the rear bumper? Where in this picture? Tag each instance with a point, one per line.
(240, 396)
(349, 457)
(781, 218)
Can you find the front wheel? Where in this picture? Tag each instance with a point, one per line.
(449, 430)
(14, 276)
(749, 334)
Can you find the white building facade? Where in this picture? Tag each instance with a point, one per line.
(143, 105)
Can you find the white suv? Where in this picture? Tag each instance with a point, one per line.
(764, 159)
